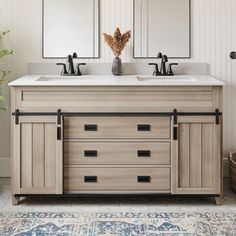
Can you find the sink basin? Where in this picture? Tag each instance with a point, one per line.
(63, 78)
(167, 78)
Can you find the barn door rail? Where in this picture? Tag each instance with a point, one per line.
(59, 114)
(217, 115)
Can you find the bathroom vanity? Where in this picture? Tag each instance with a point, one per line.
(109, 135)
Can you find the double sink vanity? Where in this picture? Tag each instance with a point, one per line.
(100, 134)
(133, 134)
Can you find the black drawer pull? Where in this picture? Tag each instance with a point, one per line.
(90, 179)
(175, 133)
(144, 153)
(144, 179)
(144, 127)
(58, 133)
(90, 127)
(90, 153)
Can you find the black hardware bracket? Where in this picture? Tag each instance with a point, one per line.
(217, 117)
(175, 133)
(59, 133)
(59, 114)
(175, 116)
(17, 114)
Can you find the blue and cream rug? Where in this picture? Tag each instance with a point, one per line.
(120, 224)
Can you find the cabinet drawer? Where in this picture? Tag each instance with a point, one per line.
(116, 179)
(116, 127)
(114, 153)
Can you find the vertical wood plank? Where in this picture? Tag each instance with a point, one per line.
(16, 171)
(183, 155)
(59, 163)
(208, 163)
(50, 155)
(15, 151)
(26, 155)
(38, 155)
(195, 156)
(218, 160)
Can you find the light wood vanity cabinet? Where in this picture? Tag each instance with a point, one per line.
(116, 140)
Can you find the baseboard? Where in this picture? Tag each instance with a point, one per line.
(5, 167)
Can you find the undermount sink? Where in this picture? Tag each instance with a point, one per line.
(63, 78)
(167, 78)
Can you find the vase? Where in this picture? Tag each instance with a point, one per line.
(117, 66)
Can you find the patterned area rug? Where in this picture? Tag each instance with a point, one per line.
(120, 224)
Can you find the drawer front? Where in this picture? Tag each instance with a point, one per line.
(114, 153)
(116, 179)
(117, 127)
(115, 98)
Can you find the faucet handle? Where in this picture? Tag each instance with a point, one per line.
(165, 58)
(156, 71)
(64, 70)
(159, 55)
(170, 71)
(78, 72)
(75, 55)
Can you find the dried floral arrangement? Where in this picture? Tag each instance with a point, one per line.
(118, 41)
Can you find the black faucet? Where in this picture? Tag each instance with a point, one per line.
(164, 60)
(156, 72)
(163, 71)
(71, 69)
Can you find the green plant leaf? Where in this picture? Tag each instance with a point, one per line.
(4, 73)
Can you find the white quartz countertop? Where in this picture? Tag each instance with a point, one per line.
(109, 80)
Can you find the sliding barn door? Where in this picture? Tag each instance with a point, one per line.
(38, 156)
(196, 156)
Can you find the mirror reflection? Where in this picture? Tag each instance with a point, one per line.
(162, 26)
(70, 26)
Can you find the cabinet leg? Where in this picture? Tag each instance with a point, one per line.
(15, 200)
(219, 200)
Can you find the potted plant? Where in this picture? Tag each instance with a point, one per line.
(117, 43)
(3, 72)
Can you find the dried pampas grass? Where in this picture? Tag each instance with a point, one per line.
(118, 41)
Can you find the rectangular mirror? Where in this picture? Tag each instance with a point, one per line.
(70, 26)
(162, 26)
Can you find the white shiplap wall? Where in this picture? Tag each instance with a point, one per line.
(211, 42)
